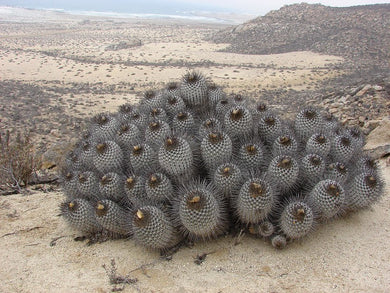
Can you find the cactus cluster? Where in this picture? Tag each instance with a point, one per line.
(191, 162)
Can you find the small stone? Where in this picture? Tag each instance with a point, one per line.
(363, 90)
(377, 88)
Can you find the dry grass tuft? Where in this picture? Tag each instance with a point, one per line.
(18, 162)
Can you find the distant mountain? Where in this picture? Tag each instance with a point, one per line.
(358, 32)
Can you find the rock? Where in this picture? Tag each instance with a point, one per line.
(379, 152)
(363, 90)
(380, 136)
(55, 133)
(378, 88)
(54, 156)
(372, 124)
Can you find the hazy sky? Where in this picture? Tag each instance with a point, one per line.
(256, 7)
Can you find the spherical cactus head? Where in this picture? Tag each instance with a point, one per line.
(365, 163)
(173, 86)
(158, 114)
(328, 197)
(365, 189)
(269, 127)
(251, 155)
(285, 144)
(221, 107)
(254, 201)
(143, 157)
(297, 219)
(342, 148)
(156, 132)
(111, 187)
(208, 125)
(228, 179)
(79, 214)
(319, 143)
(261, 107)
(158, 187)
(68, 180)
(200, 211)
(184, 122)
(215, 94)
(88, 185)
(125, 111)
(153, 228)
(283, 171)
(266, 228)
(312, 168)
(357, 138)
(113, 217)
(194, 89)
(108, 156)
(103, 126)
(126, 108)
(307, 122)
(279, 241)
(238, 122)
(176, 156)
(216, 148)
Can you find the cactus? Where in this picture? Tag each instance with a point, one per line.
(319, 143)
(238, 122)
(208, 125)
(176, 157)
(142, 157)
(134, 187)
(88, 185)
(184, 122)
(307, 122)
(269, 127)
(216, 148)
(199, 211)
(156, 132)
(342, 148)
(337, 171)
(279, 241)
(114, 218)
(255, 201)
(108, 156)
(312, 168)
(364, 189)
(111, 186)
(158, 114)
(126, 134)
(194, 89)
(297, 219)
(174, 104)
(285, 144)
(188, 162)
(228, 179)
(158, 187)
(328, 197)
(79, 213)
(283, 172)
(104, 126)
(154, 229)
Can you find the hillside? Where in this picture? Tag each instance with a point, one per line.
(359, 33)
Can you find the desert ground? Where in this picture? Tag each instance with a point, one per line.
(57, 70)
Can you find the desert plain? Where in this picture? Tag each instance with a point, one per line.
(57, 70)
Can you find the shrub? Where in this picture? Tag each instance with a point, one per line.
(18, 161)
